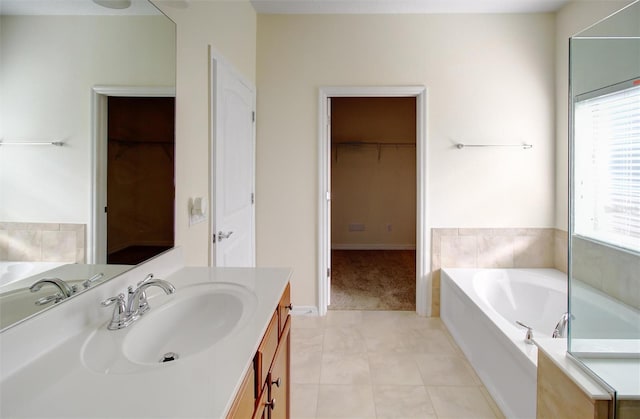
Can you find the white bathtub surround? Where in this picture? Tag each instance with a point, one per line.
(602, 324)
(11, 272)
(36, 374)
(480, 307)
(494, 248)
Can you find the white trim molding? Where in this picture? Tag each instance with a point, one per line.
(97, 228)
(423, 289)
(310, 311)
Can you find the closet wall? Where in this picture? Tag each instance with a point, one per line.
(140, 175)
(373, 173)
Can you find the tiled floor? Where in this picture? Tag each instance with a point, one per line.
(381, 364)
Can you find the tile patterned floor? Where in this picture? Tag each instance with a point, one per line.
(381, 364)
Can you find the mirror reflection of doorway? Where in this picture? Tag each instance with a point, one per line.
(140, 178)
(373, 203)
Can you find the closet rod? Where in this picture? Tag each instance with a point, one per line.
(361, 143)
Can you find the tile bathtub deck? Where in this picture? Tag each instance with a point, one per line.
(381, 364)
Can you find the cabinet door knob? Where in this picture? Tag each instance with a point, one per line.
(289, 306)
(271, 404)
(277, 382)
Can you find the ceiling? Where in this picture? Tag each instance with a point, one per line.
(405, 6)
(142, 7)
(72, 7)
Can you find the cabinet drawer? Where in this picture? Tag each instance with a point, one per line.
(267, 350)
(262, 408)
(279, 376)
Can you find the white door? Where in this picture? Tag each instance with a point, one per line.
(328, 201)
(233, 167)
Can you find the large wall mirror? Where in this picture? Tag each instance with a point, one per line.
(87, 111)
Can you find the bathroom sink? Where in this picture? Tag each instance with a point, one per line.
(195, 318)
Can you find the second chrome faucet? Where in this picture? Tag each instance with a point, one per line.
(125, 313)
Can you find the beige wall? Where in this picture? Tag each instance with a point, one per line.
(48, 66)
(230, 28)
(571, 19)
(513, 91)
(490, 78)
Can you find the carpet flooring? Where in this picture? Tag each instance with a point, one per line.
(373, 280)
(134, 255)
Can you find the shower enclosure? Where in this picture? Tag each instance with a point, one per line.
(604, 227)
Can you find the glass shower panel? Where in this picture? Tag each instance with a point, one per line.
(604, 228)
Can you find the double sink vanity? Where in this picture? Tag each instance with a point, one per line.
(211, 343)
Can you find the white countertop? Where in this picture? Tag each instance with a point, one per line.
(57, 384)
(623, 374)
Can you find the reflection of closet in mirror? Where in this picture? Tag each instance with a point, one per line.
(140, 184)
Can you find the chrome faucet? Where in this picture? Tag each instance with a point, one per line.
(561, 327)
(63, 287)
(126, 313)
(87, 283)
(137, 303)
(528, 338)
(120, 319)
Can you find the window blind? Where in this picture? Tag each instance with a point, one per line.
(607, 166)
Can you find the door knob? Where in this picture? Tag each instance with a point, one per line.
(271, 404)
(223, 235)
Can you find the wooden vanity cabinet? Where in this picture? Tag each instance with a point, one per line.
(284, 307)
(278, 379)
(269, 377)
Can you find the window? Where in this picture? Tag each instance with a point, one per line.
(607, 165)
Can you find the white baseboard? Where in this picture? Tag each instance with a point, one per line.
(375, 246)
(304, 311)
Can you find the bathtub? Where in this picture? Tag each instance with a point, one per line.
(11, 272)
(480, 308)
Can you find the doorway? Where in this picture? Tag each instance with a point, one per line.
(141, 134)
(140, 181)
(373, 202)
(327, 94)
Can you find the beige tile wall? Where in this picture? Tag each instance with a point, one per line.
(42, 242)
(608, 269)
(494, 248)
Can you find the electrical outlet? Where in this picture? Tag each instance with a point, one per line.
(356, 227)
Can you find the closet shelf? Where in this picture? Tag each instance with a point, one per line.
(378, 145)
(124, 145)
